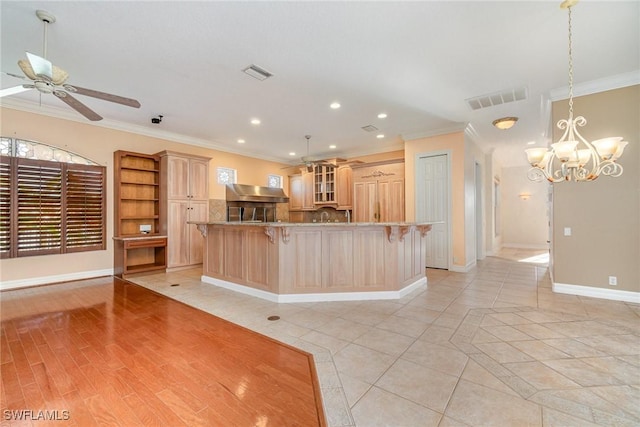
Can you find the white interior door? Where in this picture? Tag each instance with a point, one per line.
(432, 204)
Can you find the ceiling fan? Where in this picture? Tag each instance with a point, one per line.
(49, 79)
(308, 161)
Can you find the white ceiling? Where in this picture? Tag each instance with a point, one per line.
(416, 61)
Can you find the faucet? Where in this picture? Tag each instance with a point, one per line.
(324, 216)
(347, 213)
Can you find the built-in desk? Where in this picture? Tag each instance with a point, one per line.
(290, 262)
(139, 254)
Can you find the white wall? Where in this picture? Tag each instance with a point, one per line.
(525, 223)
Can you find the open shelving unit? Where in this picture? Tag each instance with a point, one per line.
(139, 247)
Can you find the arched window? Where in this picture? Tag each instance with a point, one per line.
(52, 201)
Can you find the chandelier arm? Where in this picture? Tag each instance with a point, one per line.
(537, 174)
(610, 168)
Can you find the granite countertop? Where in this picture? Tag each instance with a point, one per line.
(314, 224)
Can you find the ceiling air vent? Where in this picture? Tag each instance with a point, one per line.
(369, 128)
(497, 98)
(257, 72)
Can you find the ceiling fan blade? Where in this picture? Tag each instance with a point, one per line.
(41, 67)
(14, 75)
(13, 90)
(105, 96)
(77, 105)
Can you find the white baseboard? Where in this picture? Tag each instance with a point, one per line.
(317, 297)
(604, 293)
(525, 246)
(45, 280)
(463, 268)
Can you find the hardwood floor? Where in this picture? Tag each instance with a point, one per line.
(108, 352)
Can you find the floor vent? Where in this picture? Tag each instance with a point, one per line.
(497, 98)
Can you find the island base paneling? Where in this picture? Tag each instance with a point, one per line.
(290, 259)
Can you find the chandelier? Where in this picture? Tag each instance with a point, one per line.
(573, 157)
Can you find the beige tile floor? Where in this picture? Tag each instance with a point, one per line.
(494, 346)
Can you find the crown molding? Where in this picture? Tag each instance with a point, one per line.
(70, 115)
(457, 127)
(618, 81)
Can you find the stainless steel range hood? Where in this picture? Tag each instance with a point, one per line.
(255, 193)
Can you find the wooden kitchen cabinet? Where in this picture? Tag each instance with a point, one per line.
(185, 182)
(378, 192)
(344, 188)
(324, 184)
(301, 192)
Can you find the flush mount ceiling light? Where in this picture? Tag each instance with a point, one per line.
(255, 121)
(382, 115)
(505, 123)
(335, 105)
(573, 157)
(241, 141)
(380, 136)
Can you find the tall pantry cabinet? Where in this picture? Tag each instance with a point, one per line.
(185, 184)
(378, 192)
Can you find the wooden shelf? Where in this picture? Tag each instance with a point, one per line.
(137, 207)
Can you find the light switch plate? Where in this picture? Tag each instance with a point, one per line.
(567, 231)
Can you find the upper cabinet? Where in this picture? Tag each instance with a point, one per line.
(344, 187)
(189, 176)
(324, 184)
(378, 192)
(301, 192)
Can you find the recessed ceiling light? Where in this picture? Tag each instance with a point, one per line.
(255, 121)
(292, 153)
(335, 105)
(241, 141)
(531, 143)
(332, 147)
(382, 115)
(379, 136)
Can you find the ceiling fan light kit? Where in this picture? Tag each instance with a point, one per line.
(573, 157)
(48, 79)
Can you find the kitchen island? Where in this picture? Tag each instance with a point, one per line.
(296, 262)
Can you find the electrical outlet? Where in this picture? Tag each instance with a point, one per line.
(613, 281)
(567, 231)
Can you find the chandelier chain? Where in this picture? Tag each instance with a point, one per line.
(570, 67)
